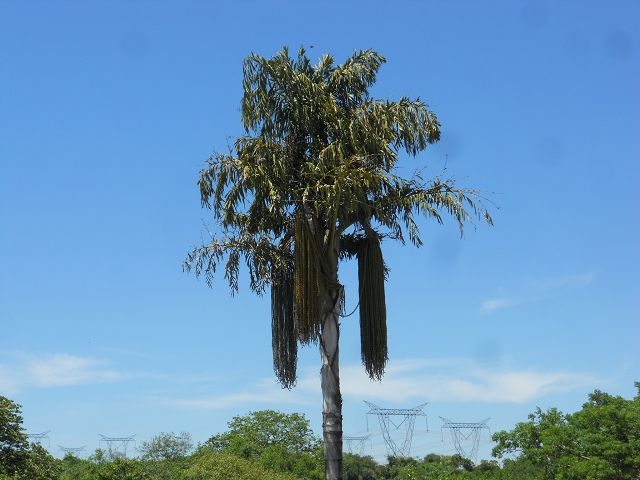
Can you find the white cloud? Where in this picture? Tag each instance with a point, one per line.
(55, 370)
(410, 381)
(459, 382)
(62, 370)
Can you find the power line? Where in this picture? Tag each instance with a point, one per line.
(39, 437)
(116, 445)
(465, 435)
(71, 450)
(404, 424)
(356, 444)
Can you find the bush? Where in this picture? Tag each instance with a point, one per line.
(214, 466)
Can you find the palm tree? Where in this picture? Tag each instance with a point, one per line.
(310, 184)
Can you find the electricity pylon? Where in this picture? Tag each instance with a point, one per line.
(465, 434)
(116, 445)
(406, 420)
(355, 444)
(39, 437)
(71, 450)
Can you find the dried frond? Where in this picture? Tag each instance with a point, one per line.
(373, 310)
(307, 278)
(284, 336)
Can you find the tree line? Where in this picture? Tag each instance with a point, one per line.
(601, 441)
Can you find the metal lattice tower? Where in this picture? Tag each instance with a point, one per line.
(355, 444)
(71, 450)
(406, 420)
(116, 445)
(39, 437)
(465, 434)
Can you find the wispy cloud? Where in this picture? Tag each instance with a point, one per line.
(410, 380)
(537, 292)
(499, 303)
(264, 392)
(569, 281)
(55, 370)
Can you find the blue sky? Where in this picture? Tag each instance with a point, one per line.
(107, 112)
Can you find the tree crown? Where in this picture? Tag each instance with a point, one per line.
(315, 141)
(313, 181)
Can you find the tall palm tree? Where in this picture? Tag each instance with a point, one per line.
(312, 183)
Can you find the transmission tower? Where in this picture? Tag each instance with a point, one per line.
(406, 420)
(71, 450)
(39, 438)
(355, 444)
(465, 434)
(116, 445)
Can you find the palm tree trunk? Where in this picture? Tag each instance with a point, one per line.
(330, 380)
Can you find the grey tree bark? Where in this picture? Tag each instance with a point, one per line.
(330, 377)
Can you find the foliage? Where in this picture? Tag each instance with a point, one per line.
(218, 466)
(395, 464)
(420, 471)
(18, 459)
(122, 469)
(313, 180)
(102, 467)
(14, 445)
(358, 467)
(166, 469)
(519, 469)
(433, 466)
(250, 434)
(601, 441)
(166, 446)
(74, 468)
(40, 464)
(279, 441)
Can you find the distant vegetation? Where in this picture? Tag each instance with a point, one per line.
(600, 442)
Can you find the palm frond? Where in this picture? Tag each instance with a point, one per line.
(313, 181)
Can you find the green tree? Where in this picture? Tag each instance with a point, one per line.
(599, 442)
(165, 456)
(18, 459)
(14, 445)
(166, 446)
(395, 464)
(312, 182)
(279, 441)
(520, 469)
(74, 468)
(358, 467)
(41, 465)
(608, 431)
